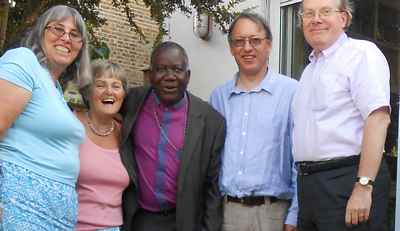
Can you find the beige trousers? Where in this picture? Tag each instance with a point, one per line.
(266, 217)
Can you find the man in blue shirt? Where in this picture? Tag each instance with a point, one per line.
(258, 177)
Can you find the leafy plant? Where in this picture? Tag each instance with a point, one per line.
(16, 20)
(393, 151)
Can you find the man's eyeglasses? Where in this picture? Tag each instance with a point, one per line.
(59, 32)
(322, 13)
(254, 42)
(163, 70)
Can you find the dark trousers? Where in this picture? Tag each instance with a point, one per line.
(148, 221)
(323, 197)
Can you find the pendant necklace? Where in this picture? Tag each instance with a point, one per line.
(163, 133)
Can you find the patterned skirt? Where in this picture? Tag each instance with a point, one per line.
(29, 201)
(110, 229)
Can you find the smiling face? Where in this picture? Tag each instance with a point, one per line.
(61, 51)
(251, 59)
(169, 75)
(322, 32)
(106, 95)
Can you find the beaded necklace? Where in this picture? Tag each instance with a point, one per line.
(103, 132)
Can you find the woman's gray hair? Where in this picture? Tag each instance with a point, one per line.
(103, 68)
(80, 68)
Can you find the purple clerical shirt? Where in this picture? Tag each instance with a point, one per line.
(159, 138)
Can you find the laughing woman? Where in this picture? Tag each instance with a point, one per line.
(103, 177)
(39, 136)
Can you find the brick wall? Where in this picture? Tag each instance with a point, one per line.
(126, 47)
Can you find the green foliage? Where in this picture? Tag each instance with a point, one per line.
(393, 152)
(23, 15)
(222, 13)
(99, 50)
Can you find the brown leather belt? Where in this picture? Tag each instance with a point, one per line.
(252, 200)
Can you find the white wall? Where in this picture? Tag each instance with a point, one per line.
(210, 61)
(273, 18)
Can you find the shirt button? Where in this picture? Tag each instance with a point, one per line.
(243, 133)
(241, 152)
(246, 114)
(240, 173)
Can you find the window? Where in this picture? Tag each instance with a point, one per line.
(294, 50)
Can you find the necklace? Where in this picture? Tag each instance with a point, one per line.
(102, 132)
(163, 133)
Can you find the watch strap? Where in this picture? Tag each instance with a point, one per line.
(364, 181)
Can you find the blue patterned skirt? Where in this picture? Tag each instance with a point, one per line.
(32, 202)
(110, 229)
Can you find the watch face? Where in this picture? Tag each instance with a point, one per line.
(363, 180)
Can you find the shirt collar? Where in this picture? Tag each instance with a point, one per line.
(267, 84)
(330, 50)
(181, 103)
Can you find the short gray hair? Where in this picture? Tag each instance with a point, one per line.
(345, 6)
(169, 45)
(256, 18)
(100, 68)
(80, 68)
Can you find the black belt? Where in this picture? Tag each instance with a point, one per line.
(164, 212)
(252, 200)
(309, 167)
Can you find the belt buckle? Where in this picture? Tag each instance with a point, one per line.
(273, 199)
(164, 212)
(303, 169)
(167, 212)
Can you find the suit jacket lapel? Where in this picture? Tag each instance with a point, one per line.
(135, 100)
(135, 103)
(194, 129)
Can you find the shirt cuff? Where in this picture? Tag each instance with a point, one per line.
(291, 218)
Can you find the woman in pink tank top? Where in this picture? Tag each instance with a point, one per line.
(103, 177)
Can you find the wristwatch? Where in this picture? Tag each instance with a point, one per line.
(364, 181)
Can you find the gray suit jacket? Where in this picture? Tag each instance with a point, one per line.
(198, 200)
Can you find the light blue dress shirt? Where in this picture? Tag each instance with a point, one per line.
(257, 158)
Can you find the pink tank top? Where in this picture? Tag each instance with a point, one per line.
(101, 181)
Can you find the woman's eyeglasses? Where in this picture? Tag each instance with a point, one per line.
(59, 32)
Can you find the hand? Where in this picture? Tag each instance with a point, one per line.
(359, 205)
(289, 228)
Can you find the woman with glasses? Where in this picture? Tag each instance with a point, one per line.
(39, 135)
(103, 177)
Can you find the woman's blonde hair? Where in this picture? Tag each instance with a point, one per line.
(101, 68)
